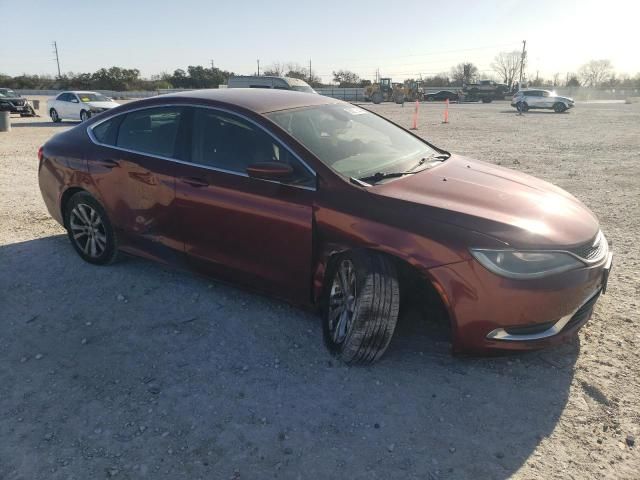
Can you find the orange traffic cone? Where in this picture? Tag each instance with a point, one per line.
(415, 117)
(446, 111)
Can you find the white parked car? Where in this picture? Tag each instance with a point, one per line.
(524, 100)
(78, 105)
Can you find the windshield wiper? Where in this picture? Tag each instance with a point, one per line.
(376, 177)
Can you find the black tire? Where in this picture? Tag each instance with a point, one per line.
(522, 106)
(559, 107)
(429, 99)
(77, 217)
(487, 100)
(55, 118)
(84, 115)
(377, 97)
(371, 318)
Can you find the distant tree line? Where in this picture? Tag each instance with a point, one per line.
(506, 65)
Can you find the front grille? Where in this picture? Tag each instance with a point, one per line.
(591, 250)
(583, 313)
(19, 103)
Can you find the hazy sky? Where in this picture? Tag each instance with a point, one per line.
(402, 39)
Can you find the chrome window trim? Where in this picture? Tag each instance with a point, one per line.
(93, 138)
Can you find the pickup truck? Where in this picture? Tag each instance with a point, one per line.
(485, 91)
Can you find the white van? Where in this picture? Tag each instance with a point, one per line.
(281, 83)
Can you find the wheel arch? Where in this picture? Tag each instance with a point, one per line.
(64, 199)
(414, 281)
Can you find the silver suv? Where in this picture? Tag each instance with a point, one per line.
(526, 99)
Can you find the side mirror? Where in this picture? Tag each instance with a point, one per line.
(270, 171)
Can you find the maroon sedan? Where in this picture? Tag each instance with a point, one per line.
(328, 205)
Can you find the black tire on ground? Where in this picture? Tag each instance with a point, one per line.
(559, 107)
(377, 97)
(373, 312)
(522, 106)
(429, 99)
(54, 116)
(81, 211)
(84, 115)
(487, 99)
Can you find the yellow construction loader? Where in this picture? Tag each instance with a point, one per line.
(385, 91)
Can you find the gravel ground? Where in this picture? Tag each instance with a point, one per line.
(137, 371)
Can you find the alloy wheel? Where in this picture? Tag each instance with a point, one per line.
(88, 230)
(342, 301)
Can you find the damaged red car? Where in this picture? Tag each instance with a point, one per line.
(325, 204)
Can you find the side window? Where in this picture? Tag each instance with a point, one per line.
(153, 130)
(65, 97)
(107, 132)
(223, 141)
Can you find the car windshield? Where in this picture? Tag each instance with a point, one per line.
(353, 141)
(303, 88)
(92, 97)
(5, 92)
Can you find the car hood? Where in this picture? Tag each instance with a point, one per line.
(102, 104)
(515, 208)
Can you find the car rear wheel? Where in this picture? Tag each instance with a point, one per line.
(89, 229)
(559, 107)
(522, 106)
(55, 118)
(361, 304)
(84, 115)
(429, 99)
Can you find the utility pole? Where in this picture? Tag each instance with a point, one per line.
(310, 76)
(55, 50)
(523, 58)
(258, 60)
(212, 65)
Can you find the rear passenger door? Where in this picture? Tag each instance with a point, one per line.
(133, 170)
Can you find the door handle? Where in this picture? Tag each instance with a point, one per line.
(194, 181)
(108, 163)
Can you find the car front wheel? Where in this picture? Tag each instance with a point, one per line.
(361, 306)
(559, 107)
(84, 116)
(89, 229)
(55, 118)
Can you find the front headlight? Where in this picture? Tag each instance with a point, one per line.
(525, 265)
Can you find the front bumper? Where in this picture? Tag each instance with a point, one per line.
(489, 312)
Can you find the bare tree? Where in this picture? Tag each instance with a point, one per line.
(595, 72)
(507, 66)
(276, 69)
(463, 73)
(556, 79)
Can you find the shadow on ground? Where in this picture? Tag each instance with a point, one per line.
(42, 124)
(145, 372)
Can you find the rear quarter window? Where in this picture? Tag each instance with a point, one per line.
(107, 132)
(153, 131)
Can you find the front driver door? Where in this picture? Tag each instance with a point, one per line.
(250, 231)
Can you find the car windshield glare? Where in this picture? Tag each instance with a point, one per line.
(92, 97)
(351, 140)
(8, 93)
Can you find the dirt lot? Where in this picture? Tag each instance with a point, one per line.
(137, 371)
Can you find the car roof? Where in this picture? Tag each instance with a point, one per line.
(258, 100)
